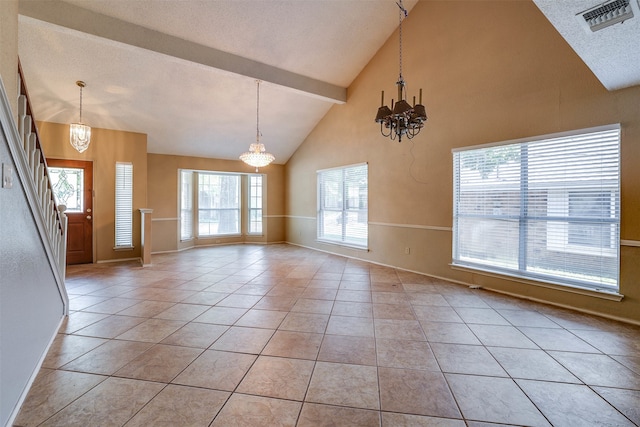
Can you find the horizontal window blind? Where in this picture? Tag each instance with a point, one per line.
(186, 205)
(343, 205)
(124, 205)
(547, 209)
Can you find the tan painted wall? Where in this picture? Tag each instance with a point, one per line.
(9, 51)
(491, 71)
(107, 147)
(163, 199)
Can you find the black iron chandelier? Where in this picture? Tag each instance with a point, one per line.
(401, 119)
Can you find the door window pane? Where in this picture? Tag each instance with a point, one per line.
(68, 187)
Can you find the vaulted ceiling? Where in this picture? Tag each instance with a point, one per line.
(184, 72)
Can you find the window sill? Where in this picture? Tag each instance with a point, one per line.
(346, 245)
(596, 293)
(123, 248)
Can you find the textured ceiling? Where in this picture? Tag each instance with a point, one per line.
(612, 54)
(184, 72)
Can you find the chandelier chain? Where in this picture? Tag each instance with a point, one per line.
(399, 36)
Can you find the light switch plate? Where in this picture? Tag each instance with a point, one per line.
(7, 176)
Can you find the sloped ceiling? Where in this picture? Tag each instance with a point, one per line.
(184, 71)
(612, 53)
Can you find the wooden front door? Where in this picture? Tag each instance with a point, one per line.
(72, 183)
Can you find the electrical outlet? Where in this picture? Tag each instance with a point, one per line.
(407, 250)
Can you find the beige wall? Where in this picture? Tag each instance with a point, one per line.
(491, 71)
(107, 147)
(9, 51)
(163, 199)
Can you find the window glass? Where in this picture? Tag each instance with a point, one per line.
(124, 205)
(255, 204)
(343, 205)
(545, 208)
(186, 205)
(68, 187)
(218, 204)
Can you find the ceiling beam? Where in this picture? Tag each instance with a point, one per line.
(76, 18)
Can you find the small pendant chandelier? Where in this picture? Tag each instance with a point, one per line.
(79, 133)
(401, 119)
(257, 155)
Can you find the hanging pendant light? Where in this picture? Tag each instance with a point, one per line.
(257, 155)
(401, 119)
(79, 133)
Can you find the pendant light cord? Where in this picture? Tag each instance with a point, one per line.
(258, 113)
(80, 103)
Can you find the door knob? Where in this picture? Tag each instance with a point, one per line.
(88, 210)
(88, 216)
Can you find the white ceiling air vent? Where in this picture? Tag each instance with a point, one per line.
(608, 13)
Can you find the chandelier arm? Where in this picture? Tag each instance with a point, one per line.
(394, 130)
(382, 131)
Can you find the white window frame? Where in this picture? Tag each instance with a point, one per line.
(344, 238)
(124, 206)
(186, 205)
(533, 176)
(255, 204)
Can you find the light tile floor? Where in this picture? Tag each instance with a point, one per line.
(282, 336)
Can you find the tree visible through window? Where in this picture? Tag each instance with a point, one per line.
(218, 204)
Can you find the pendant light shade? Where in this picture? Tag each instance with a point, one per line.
(79, 133)
(402, 119)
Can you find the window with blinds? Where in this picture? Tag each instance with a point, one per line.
(124, 205)
(255, 204)
(343, 205)
(186, 205)
(546, 208)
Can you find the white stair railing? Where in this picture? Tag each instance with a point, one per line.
(31, 165)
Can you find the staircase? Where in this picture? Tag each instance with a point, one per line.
(33, 237)
(31, 166)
